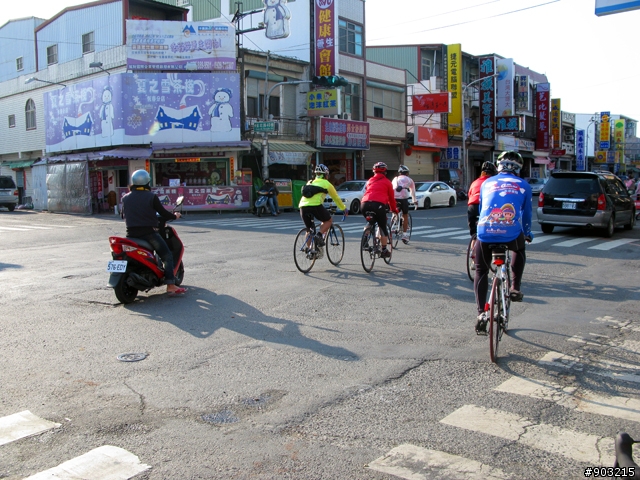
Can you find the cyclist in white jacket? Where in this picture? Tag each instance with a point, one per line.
(403, 186)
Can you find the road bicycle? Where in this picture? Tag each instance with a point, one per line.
(306, 251)
(471, 258)
(499, 299)
(397, 228)
(371, 246)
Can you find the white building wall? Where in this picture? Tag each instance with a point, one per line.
(376, 71)
(352, 10)
(351, 64)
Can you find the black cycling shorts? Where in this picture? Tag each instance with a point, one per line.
(403, 205)
(379, 211)
(317, 211)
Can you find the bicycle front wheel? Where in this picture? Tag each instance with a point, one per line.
(304, 254)
(471, 260)
(335, 244)
(367, 252)
(495, 318)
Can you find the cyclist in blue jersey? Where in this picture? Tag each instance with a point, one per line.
(505, 218)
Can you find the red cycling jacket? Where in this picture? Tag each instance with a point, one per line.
(380, 189)
(474, 189)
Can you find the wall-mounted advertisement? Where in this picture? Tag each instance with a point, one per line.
(581, 151)
(486, 66)
(511, 124)
(323, 102)
(182, 46)
(140, 108)
(454, 79)
(543, 92)
(618, 133)
(430, 137)
(605, 130)
(504, 87)
(336, 133)
(326, 37)
(523, 100)
(429, 103)
(555, 121)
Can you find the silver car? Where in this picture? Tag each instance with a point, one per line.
(537, 184)
(8, 193)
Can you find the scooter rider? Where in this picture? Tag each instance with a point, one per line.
(139, 208)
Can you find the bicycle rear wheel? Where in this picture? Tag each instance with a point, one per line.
(471, 259)
(304, 254)
(396, 228)
(390, 245)
(335, 244)
(367, 252)
(495, 318)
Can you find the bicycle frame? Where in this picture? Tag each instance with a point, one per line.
(499, 300)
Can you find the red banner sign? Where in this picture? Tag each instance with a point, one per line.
(336, 133)
(430, 103)
(431, 137)
(543, 91)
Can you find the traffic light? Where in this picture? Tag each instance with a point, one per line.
(330, 81)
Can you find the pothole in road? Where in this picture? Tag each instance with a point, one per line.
(244, 407)
(221, 417)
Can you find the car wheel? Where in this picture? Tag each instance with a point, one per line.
(11, 207)
(546, 228)
(610, 228)
(355, 207)
(632, 222)
(427, 203)
(452, 202)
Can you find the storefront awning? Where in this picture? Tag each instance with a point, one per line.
(132, 152)
(287, 147)
(241, 145)
(19, 164)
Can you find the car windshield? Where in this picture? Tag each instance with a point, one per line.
(350, 187)
(534, 181)
(423, 187)
(6, 182)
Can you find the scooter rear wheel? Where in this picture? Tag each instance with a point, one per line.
(180, 275)
(125, 293)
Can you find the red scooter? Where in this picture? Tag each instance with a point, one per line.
(136, 267)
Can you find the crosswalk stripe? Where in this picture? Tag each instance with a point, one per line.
(461, 237)
(29, 227)
(575, 241)
(611, 406)
(447, 234)
(23, 424)
(546, 238)
(405, 461)
(582, 447)
(614, 370)
(11, 229)
(613, 244)
(102, 463)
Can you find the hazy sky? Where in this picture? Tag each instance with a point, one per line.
(590, 61)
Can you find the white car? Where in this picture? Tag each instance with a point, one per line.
(350, 193)
(433, 194)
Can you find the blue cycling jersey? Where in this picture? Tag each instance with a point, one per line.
(505, 209)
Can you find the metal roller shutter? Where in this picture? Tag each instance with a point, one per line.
(382, 153)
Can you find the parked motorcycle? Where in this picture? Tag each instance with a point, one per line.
(461, 194)
(135, 266)
(260, 204)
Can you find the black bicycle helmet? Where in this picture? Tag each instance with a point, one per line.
(489, 167)
(510, 161)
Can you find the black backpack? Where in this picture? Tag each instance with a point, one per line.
(310, 190)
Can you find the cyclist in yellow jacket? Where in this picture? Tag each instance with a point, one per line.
(311, 204)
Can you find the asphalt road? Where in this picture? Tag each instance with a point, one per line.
(263, 372)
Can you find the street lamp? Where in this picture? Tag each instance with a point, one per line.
(98, 65)
(34, 79)
(464, 140)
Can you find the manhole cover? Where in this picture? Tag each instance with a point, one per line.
(224, 416)
(131, 357)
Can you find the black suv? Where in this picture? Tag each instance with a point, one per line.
(585, 199)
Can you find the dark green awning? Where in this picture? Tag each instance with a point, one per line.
(287, 147)
(20, 164)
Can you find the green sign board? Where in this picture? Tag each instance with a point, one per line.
(264, 127)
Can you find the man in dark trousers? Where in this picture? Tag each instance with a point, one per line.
(272, 200)
(139, 208)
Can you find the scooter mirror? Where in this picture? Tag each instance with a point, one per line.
(179, 201)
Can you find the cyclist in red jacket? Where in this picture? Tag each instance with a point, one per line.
(378, 195)
(488, 170)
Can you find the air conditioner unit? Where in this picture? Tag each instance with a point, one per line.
(346, 116)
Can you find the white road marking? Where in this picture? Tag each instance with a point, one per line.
(605, 368)
(546, 238)
(417, 463)
(447, 234)
(37, 227)
(582, 447)
(613, 244)
(102, 463)
(23, 424)
(11, 229)
(584, 401)
(575, 241)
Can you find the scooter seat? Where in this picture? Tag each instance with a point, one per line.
(142, 243)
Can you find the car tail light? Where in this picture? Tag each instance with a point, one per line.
(541, 200)
(602, 202)
(16, 193)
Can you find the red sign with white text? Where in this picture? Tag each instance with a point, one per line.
(431, 137)
(431, 103)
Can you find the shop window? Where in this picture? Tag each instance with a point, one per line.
(350, 38)
(378, 112)
(52, 54)
(383, 103)
(88, 45)
(30, 114)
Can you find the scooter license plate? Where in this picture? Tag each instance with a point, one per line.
(117, 266)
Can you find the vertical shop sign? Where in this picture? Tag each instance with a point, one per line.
(555, 122)
(454, 70)
(504, 87)
(543, 91)
(522, 100)
(487, 98)
(605, 130)
(618, 134)
(581, 164)
(325, 37)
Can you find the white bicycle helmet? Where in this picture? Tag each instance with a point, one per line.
(403, 170)
(322, 169)
(510, 161)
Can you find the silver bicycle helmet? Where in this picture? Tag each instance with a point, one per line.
(510, 161)
(322, 169)
(140, 178)
(403, 170)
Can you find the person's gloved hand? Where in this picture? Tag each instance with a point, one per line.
(178, 215)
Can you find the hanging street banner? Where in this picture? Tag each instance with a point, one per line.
(618, 134)
(543, 91)
(555, 122)
(605, 130)
(429, 103)
(523, 99)
(454, 79)
(326, 40)
(504, 87)
(181, 46)
(581, 154)
(487, 98)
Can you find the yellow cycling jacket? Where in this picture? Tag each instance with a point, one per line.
(318, 198)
